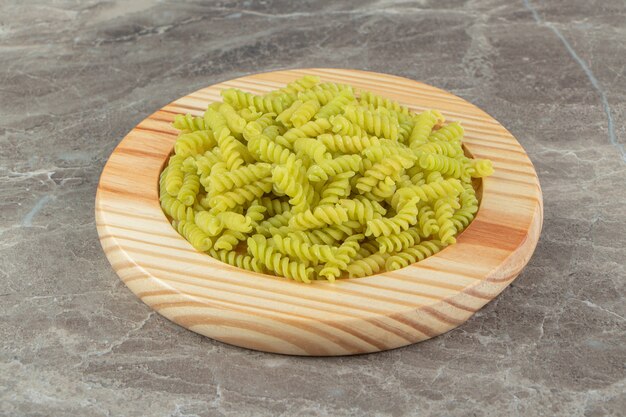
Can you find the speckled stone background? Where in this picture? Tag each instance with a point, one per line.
(75, 76)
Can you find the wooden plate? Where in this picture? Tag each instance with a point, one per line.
(351, 316)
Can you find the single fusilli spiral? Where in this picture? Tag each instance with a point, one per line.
(342, 126)
(443, 215)
(313, 148)
(249, 114)
(194, 143)
(378, 102)
(391, 166)
(269, 151)
(206, 161)
(369, 265)
(237, 259)
(465, 214)
(362, 210)
(229, 151)
(229, 239)
(452, 132)
(291, 179)
(382, 190)
(194, 235)
(242, 176)
(256, 127)
(424, 123)
(405, 128)
(319, 217)
(345, 253)
(331, 235)
(337, 187)
(336, 105)
(189, 189)
(285, 116)
(273, 132)
(441, 148)
(347, 144)
(331, 167)
(234, 221)
(482, 168)
(429, 192)
(301, 84)
(274, 261)
(255, 214)
(209, 223)
(304, 113)
(317, 93)
(399, 241)
(239, 99)
(413, 254)
(310, 252)
(374, 123)
(324, 92)
(243, 195)
(426, 220)
(174, 176)
(175, 209)
(443, 164)
(402, 220)
(188, 123)
(434, 176)
(216, 121)
(376, 154)
(310, 129)
(234, 121)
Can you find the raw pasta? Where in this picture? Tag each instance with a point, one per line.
(319, 181)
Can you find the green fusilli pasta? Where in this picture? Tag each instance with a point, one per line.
(188, 123)
(336, 105)
(413, 254)
(375, 123)
(304, 113)
(309, 252)
(342, 126)
(274, 261)
(237, 259)
(423, 126)
(174, 175)
(319, 180)
(256, 127)
(234, 121)
(347, 144)
(319, 217)
(194, 235)
(194, 143)
(189, 190)
(337, 187)
(266, 104)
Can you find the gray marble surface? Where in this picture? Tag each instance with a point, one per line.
(77, 75)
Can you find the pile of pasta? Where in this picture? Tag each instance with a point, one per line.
(319, 180)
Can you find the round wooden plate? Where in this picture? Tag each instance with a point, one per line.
(350, 316)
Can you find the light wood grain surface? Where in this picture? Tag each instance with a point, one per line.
(350, 316)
